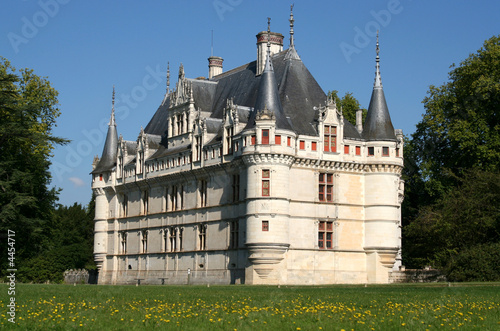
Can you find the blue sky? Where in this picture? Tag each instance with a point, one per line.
(86, 47)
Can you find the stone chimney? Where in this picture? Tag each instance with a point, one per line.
(214, 66)
(276, 41)
(359, 120)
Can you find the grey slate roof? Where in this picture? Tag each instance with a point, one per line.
(110, 150)
(268, 97)
(298, 92)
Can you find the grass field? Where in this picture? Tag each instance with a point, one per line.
(239, 307)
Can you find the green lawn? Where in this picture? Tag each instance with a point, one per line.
(393, 307)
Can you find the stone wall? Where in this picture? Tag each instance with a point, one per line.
(417, 276)
(80, 276)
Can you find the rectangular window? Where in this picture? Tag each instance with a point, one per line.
(325, 235)
(358, 150)
(265, 182)
(289, 141)
(397, 152)
(346, 149)
(100, 177)
(371, 151)
(202, 237)
(385, 151)
(253, 140)
(277, 139)
(236, 188)
(325, 192)
(233, 239)
(265, 137)
(302, 144)
(265, 225)
(314, 146)
(330, 138)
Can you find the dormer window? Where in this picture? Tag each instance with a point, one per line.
(330, 138)
(265, 137)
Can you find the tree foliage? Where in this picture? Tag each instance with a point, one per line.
(349, 105)
(452, 166)
(28, 111)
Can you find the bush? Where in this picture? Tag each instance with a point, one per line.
(478, 263)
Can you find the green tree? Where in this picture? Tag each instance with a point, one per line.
(28, 111)
(349, 105)
(452, 165)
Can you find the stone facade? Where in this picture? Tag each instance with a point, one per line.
(231, 182)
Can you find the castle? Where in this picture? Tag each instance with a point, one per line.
(251, 176)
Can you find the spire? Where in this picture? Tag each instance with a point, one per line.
(168, 77)
(110, 150)
(291, 26)
(378, 125)
(112, 120)
(378, 79)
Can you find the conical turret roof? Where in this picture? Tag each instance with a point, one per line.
(378, 125)
(110, 151)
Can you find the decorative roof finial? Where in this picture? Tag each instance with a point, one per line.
(268, 24)
(291, 26)
(168, 77)
(378, 78)
(112, 120)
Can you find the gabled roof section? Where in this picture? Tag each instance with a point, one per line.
(378, 125)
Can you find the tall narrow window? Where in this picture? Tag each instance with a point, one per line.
(203, 193)
(125, 206)
(385, 151)
(277, 139)
(233, 239)
(253, 140)
(100, 177)
(202, 236)
(371, 151)
(314, 146)
(229, 140)
(236, 188)
(144, 240)
(265, 137)
(173, 239)
(165, 240)
(302, 144)
(289, 141)
(330, 138)
(173, 199)
(265, 225)
(181, 232)
(325, 235)
(397, 151)
(145, 202)
(358, 150)
(325, 187)
(266, 186)
(123, 242)
(197, 149)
